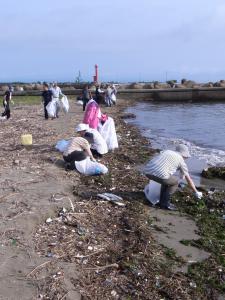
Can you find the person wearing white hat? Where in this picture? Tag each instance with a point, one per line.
(162, 168)
(98, 144)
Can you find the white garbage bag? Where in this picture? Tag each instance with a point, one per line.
(108, 132)
(61, 145)
(113, 98)
(152, 192)
(65, 104)
(88, 167)
(51, 109)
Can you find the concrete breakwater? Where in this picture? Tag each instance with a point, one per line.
(172, 94)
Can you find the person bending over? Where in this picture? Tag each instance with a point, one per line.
(98, 145)
(162, 168)
(77, 150)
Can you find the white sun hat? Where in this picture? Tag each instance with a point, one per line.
(183, 150)
(82, 127)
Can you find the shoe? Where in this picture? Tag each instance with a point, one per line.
(169, 207)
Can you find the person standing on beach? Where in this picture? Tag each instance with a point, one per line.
(6, 100)
(86, 96)
(46, 98)
(108, 96)
(56, 93)
(162, 168)
(113, 94)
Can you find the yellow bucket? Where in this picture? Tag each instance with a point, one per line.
(26, 139)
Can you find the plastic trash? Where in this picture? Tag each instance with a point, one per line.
(80, 102)
(65, 104)
(26, 139)
(112, 198)
(61, 145)
(51, 109)
(88, 167)
(152, 192)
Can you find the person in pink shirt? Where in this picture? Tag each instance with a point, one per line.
(92, 114)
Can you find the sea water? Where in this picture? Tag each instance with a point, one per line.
(201, 126)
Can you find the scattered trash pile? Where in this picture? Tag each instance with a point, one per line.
(113, 250)
(105, 235)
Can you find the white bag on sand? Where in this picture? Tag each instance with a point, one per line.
(65, 104)
(152, 192)
(108, 132)
(51, 109)
(88, 167)
(61, 145)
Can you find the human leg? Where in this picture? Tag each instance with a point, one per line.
(168, 187)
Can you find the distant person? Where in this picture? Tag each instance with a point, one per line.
(162, 168)
(46, 98)
(56, 93)
(86, 96)
(108, 96)
(99, 94)
(113, 94)
(98, 144)
(6, 100)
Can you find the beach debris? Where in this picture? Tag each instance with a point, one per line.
(62, 212)
(193, 285)
(112, 198)
(49, 220)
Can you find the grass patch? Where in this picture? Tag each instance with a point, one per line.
(27, 100)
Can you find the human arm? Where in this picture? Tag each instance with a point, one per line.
(89, 153)
(192, 185)
(185, 173)
(86, 147)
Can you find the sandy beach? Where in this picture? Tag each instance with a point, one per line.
(93, 249)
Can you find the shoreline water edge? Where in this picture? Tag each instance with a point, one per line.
(87, 248)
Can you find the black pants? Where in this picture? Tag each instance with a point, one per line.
(85, 101)
(46, 112)
(74, 156)
(95, 153)
(6, 111)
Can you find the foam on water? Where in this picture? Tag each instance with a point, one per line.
(201, 127)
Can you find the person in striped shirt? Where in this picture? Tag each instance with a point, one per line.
(162, 169)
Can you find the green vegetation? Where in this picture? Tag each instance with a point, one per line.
(27, 100)
(209, 274)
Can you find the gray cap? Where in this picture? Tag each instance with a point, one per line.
(183, 150)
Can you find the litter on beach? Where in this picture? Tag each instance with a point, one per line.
(112, 198)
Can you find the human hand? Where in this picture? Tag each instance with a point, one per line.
(198, 195)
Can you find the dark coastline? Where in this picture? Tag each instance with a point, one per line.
(214, 94)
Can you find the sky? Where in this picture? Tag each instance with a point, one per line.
(130, 40)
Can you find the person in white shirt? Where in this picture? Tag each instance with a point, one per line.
(98, 145)
(162, 168)
(56, 93)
